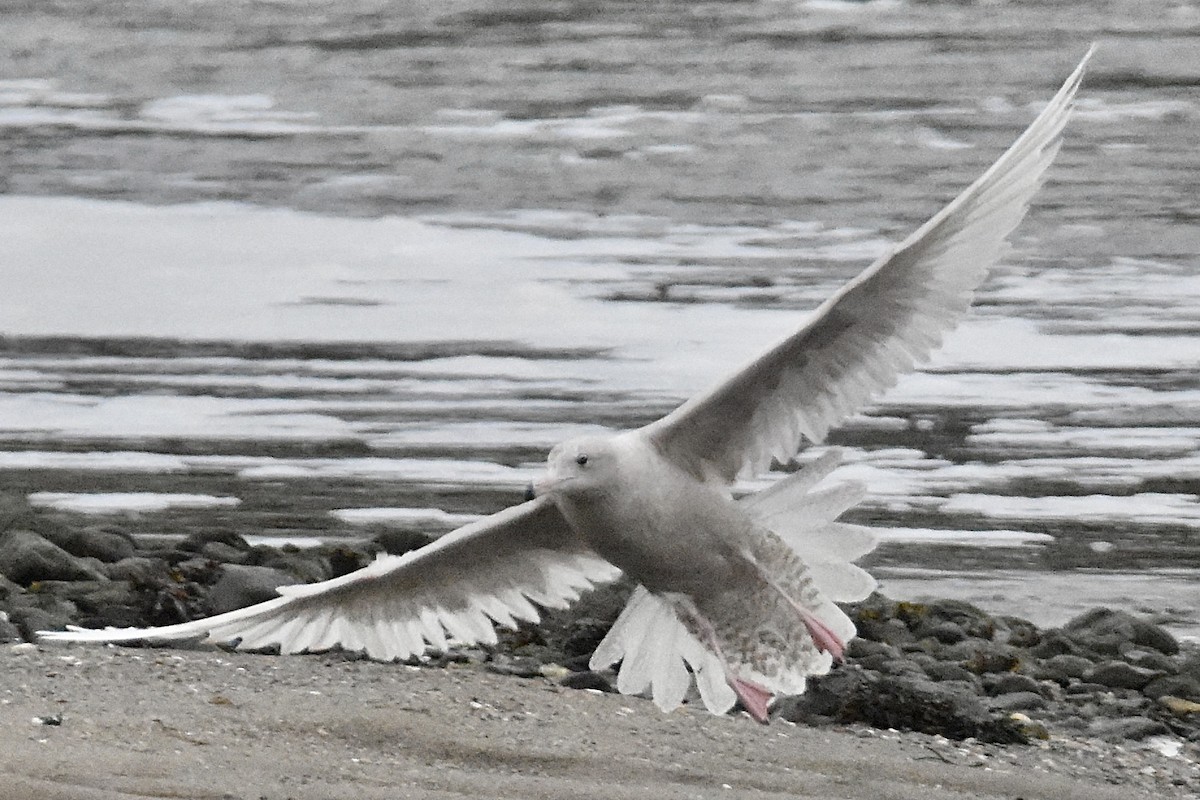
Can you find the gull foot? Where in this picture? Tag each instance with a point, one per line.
(755, 699)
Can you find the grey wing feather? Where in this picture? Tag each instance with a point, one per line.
(876, 327)
(491, 571)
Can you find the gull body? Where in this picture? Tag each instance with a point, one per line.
(739, 596)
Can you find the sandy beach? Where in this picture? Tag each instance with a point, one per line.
(207, 724)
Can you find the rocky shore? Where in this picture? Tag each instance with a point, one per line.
(945, 669)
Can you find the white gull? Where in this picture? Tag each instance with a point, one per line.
(738, 596)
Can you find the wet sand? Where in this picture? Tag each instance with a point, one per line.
(206, 724)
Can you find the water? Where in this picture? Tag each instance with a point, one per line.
(435, 239)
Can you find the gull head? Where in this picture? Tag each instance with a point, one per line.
(580, 467)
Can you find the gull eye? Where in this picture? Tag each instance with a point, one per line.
(581, 460)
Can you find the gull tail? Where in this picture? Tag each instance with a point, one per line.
(768, 636)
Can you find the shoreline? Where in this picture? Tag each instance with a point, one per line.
(209, 724)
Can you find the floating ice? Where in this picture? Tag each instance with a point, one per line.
(126, 502)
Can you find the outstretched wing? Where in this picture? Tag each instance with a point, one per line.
(491, 571)
(874, 328)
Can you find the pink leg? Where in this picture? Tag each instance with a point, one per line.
(823, 637)
(755, 699)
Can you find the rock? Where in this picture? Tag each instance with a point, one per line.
(851, 695)
(1017, 631)
(1177, 685)
(8, 588)
(517, 666)
(981, 656)
(861, 648)
(240, 586)
(106, 545)
(138, 570)
(31, 619)
(1009, 682)
(1018, 701)
(587, 680)
(973, 621)
(945, 632)
(26, 557)
(1120, 675)
(194, 542)
(1153, 660)
(98, 604)
(1104, 629)
(1061, 668)
(1133, 728)
(945, 671)
(1055, 643)
(583, 634)
(399, 542)
(9, 632)
(1179, 706)
(304, 566)
(224, 553)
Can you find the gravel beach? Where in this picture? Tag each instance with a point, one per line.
(82, 723)
(693, 135)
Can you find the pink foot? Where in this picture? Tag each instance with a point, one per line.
(823, 637)
(755, 699)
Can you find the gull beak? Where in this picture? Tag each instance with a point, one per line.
(542, 485)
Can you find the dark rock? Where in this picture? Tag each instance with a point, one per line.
(98, 604)
(517, 666)
(1100, 628)
(587, 680)
(850, 695)
(982, 656)
(945, 671)
(240, 586)
(1153, 660)
(861, 648)
(344, 559)
(889, 631)
(304, 566)
(1127, 728)
(1120, 675)
(9, 632)
(26, 557)
(1055, 643)
(224, 553)
(583, 635)
(31, 619)
(1018, 701)
(1082, 688)
(945, 632)
(1061, 668)
(399, 542)
(1183, 686)
(973, 621)
(106, 545)
(138, 570)
(8, 588)
(1009, 682)
(200, 570)
(1017, 631)
(194, 542)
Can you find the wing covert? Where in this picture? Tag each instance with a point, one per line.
(492, 571)
(877, 326)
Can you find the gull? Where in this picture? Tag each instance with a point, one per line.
(738, 596)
